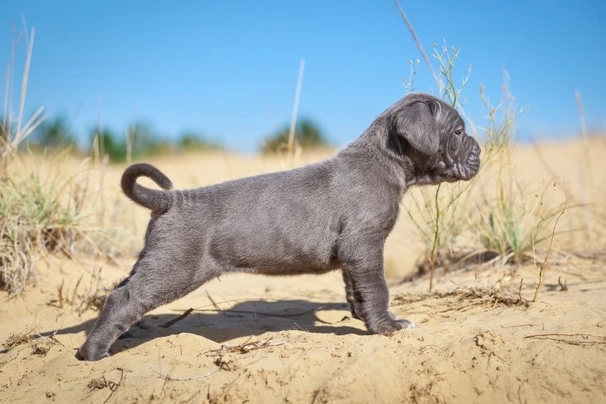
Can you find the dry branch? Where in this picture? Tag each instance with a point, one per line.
(177, 319)
(572, 339)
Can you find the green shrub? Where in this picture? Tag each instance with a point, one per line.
(308, 135)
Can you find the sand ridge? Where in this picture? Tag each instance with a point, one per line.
(256, 339)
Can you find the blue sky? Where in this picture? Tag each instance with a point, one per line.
(228, 69)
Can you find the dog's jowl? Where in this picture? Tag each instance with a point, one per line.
(331, 215)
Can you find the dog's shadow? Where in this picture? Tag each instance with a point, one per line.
(248, 318)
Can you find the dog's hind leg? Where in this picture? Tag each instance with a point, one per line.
(120, 311)
(147, 288)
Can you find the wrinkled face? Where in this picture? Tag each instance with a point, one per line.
(430, 134)
(459, 154)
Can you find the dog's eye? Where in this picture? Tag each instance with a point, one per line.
(459, 132)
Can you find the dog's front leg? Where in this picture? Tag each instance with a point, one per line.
(368, 295)
(350, 296)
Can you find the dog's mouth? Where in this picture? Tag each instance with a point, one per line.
(464, 169)
(471, 159)
(472, 165)
(450, 178)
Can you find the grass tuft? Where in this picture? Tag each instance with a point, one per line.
(82, 297)
(38, 216)
(42, 210)
(507, 224)
(16, 340)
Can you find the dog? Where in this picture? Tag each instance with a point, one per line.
(335, 214)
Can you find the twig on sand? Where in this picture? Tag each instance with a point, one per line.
(215, 305)
(102, 383)
(187, 379)
(572, 339)
(473, 296)
(177, 319)
(219, 309)
(247, 346)
(563, 286)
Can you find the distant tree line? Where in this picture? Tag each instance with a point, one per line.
(308, 135)
(140, 140)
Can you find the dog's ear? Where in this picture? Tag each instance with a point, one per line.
(418, 124)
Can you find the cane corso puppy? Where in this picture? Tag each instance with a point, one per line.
(335, 214)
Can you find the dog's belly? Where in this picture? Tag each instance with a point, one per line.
(271, 250)
(300, 269)
(276, 259)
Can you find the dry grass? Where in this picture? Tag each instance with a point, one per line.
(249, 346)
(225, 358)
(83, 296)
(102, 383)
(42, 209)
(494, 216)
(34, 221)
(39, 345)
(49, 207)
(16, 340)
(470, 297)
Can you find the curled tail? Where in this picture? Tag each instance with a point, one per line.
(156, 200)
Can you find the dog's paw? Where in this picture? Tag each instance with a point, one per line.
(403, 322)
(81, 355)
(406, 324)
(390, 325)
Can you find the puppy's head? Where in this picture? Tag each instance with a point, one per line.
(432, 135)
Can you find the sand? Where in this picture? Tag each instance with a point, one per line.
(254, 339)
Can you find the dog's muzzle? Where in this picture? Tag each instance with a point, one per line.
(462, 160)
(472, 158)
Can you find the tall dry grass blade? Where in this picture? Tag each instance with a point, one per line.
(130, 137)
(29, 45)
(418, 43)
(290, 148)
(13, 137)
(8, 84)
(581, 111)
(100, 134)
(549, 249)
(36, 119)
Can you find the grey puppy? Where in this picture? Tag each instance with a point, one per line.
(314, 219)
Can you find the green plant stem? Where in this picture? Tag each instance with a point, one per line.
(436, 233)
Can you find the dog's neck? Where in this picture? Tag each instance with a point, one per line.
(375, 144)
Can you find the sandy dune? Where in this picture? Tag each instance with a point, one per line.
(261, 340)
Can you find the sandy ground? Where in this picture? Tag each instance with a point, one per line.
(256, 339)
